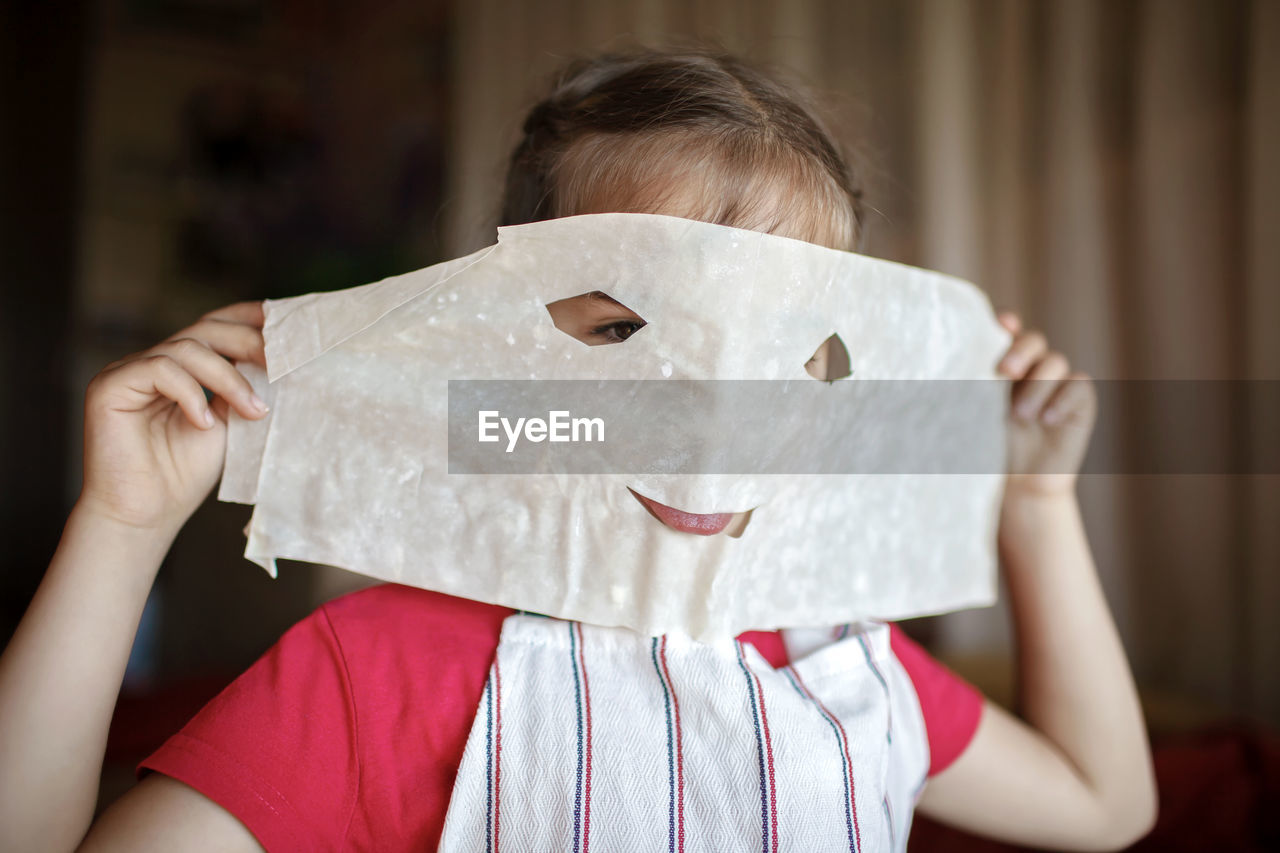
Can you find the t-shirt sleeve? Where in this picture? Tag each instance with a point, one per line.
(952, 707)
(348, 733)
(276, 747)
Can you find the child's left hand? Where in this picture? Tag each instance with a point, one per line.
(1051, 414)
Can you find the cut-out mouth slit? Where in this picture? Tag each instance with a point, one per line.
(732, 524)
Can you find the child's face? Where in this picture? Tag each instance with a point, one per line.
(596, 319)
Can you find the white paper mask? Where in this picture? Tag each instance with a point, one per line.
(351, 467)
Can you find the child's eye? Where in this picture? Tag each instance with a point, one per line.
(617, 332)
(594, 318)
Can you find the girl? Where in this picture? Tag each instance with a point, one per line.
(349, 733)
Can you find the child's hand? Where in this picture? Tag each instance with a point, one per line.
(1051, 414)
(1075, 772)
(153, 446)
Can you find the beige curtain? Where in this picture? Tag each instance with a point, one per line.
(1107, 168)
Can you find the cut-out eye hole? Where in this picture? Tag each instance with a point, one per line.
(830, 362)
(595, 318)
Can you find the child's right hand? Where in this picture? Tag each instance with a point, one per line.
(153, 445)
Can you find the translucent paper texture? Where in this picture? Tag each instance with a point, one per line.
(350, 468)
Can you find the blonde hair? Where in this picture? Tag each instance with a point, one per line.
(693, 133)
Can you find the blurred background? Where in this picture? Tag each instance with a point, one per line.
(1107, 167)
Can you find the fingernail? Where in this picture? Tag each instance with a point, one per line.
(1026, 411)
(1051, 416)
(255, 402)
(206, 418)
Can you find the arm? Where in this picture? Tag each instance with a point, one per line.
(1076, 773)
(153, 450)
(160, 813)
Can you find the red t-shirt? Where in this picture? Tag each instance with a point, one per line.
(348, 733)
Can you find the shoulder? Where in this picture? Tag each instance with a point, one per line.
(306, 748)
(384, 618)
(416, 662)
(412, 651)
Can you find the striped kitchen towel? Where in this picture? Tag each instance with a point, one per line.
(590, 738)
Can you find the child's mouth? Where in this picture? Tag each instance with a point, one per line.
(699, 524)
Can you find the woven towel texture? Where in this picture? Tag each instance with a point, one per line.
(590, 738)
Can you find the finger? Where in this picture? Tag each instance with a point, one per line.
(250, 313)
(1027, 349)
(1075, 397)
(1010, 320)
(159, 375)
(220, 408)
(215, 373)
(237, 341)
(1030, 394)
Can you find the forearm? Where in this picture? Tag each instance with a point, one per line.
(61, 674)
(1075, 686)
